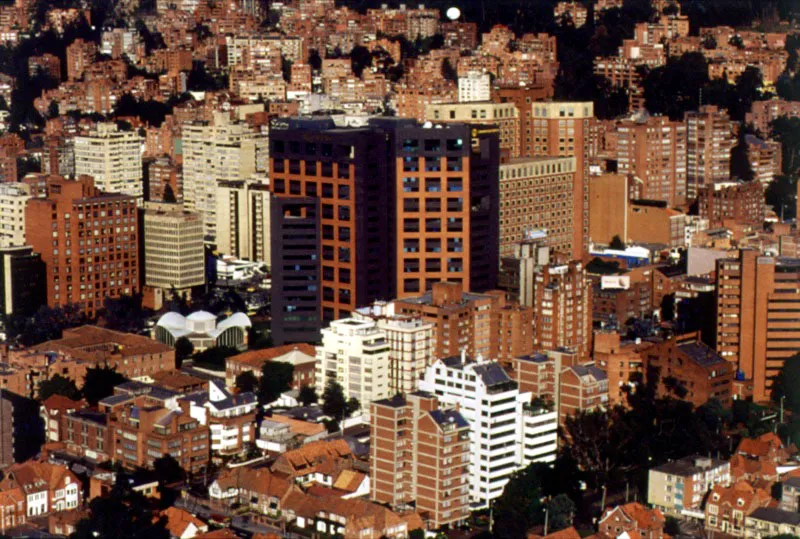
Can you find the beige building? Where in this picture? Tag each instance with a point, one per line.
(173, 247)
(536, 195)
(213, 152)
(710, 140)
(13, 198)
(113, 158)
(243, 219)
(504, 116)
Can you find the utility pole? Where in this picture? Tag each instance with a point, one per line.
(546, 515)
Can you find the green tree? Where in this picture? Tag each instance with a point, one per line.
(787, 131)
(58, 385)
(214, 358)
(334, 403)
(781, 194)
(787, 384)
(247, 382)
(307, 395)
(183, 350)
(122, 514)
(617, 243)
(740, 162)
(100, 382)
(675, 88)
(668, 308)
(46, 324)
(170, 474)
(560, 512)
(52, 109)
(520, 507)
(276, 377)
(672, 526)
(124, 313)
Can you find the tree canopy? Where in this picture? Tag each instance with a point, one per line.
(58, 385)
(99, 383)
(334, 402)
(246, 382)
(122, 513)
(276, 377)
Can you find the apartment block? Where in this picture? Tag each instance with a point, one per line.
(13, 199)
(621, 361)
(536, 195)
(474, 86)
(689, 370)
(21, 428)
(765, 112)
(709, 135)
(765, 158)
(354, 353)
(462, 320)
(163, 181)
(88, 241)
(243, 219)
(518, 269)
(295, 308)
(411, 344)
(220, 150)
(758, 316)
(681, 485)
(112, 157)
(740, 202)
(562, 307)
(174, 256)
(581, 388)
(504, 116)
(653, 149)
(420, 453)
(497, 411)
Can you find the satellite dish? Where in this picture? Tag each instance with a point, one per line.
(453, 13)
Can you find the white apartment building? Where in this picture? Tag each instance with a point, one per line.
(174, 255)
(505, 433)
(474, 86)
(112, 157)
(218, 151)
(243, 219)
(13, 199)
(230, 418)
(411, 344)
(355, 353)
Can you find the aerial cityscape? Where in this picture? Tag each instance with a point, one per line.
(460, 269)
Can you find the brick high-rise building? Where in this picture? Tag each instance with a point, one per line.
(88, 241)
(653, 149)
(741, 202)
(112, 157)
(709, 134)
(80, 54)
(758, 316)
(765, 112)
(561, 129)
(536, 195)
(562, 299)
(765, 158)
(420, 453)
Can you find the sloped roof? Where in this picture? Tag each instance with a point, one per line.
(349, 480)
(61, 403)
(298, 353)
(179, 520)
(319, 456)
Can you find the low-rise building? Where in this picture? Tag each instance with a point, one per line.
(230, 418)
(632, 518)
(47, 488)
(728, 506)
(680, 487)
(203, 330)
(770, 522)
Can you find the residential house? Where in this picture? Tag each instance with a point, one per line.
(633, 518)
(47, 487)
(317, 462)
(728, 506)
(258, 489)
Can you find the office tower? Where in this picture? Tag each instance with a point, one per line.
(354, 353)
(112, 157)
(561, 130)
(562, 307)
(411, 344)
(504, 117)
(346, 171)
(446, 205)
(506, 433)
(13, 199)
(173, 247)
(221, 150)
(22, 281)
(536, 195)
(758, 316)
(419, 453)
(474, 86)
(88, 241)
(242, 219)
(709, 133)
(653, 149)
(296, 292)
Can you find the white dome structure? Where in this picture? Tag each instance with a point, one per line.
(203, 330)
